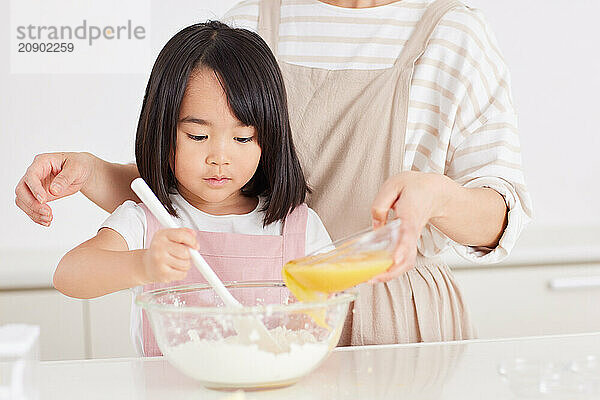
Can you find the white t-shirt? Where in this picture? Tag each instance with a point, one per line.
(129, 220)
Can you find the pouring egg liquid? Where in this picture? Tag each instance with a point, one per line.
(314, 278)
(341, 266)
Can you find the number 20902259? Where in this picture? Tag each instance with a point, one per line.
(26, 47)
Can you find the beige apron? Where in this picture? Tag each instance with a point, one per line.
(349, 129)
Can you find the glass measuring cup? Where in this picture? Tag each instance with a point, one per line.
(344, 264)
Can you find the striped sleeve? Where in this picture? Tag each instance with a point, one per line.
(484, 148)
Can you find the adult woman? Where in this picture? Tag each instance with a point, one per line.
(428, 131)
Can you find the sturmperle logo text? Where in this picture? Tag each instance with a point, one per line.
(80, 37)
(87, 32)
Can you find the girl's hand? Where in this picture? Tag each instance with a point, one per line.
(416, 198)
(50, 177)
(168, 258)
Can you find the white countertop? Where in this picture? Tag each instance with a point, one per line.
(34, 268)
(453, 370)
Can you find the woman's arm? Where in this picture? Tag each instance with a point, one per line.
(470, 216)
(109, 184)
(55, 175)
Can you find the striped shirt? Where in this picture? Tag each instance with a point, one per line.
(461, 117)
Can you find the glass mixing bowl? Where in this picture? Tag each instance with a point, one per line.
(197, 334)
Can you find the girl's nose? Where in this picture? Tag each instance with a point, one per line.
(217, 160)
(218, 156)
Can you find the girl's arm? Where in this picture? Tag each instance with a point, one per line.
(104, 264)
(55, 175)
(99, 266)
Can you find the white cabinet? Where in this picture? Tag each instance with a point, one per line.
(61, 320)
(109, 325)
(72, 328)
(505, 301)
(532, 300)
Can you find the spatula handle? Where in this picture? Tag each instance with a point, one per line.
(143, 191)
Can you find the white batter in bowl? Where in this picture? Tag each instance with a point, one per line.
(197, 334)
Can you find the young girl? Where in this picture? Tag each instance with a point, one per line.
(214, 144)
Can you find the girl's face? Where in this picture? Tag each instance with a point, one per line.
(216, 154)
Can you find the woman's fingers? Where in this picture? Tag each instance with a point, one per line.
(404, 256)
(384, 201)
(394, 272)
(63, 180)
(72, 174)
(37, 216)
(31, 193)
(412, 195)
(25, 200)
(39, 170)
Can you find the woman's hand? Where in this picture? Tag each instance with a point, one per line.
(168, 258)
(416, 198)
(49, 177)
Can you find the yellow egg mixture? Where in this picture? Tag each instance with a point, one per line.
(315, 277)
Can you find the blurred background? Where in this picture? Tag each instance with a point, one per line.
(550, 284)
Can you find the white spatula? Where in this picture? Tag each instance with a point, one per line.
(250, 329)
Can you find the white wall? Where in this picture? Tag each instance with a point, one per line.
(553, 52)
(550, 47)
(67, 112)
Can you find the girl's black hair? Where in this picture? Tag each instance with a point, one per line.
(252, 81)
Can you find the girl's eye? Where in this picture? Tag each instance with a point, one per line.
(243, 139)
(197, 137)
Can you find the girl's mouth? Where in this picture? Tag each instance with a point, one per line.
(217, 182)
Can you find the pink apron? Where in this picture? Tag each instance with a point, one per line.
(234, 257)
